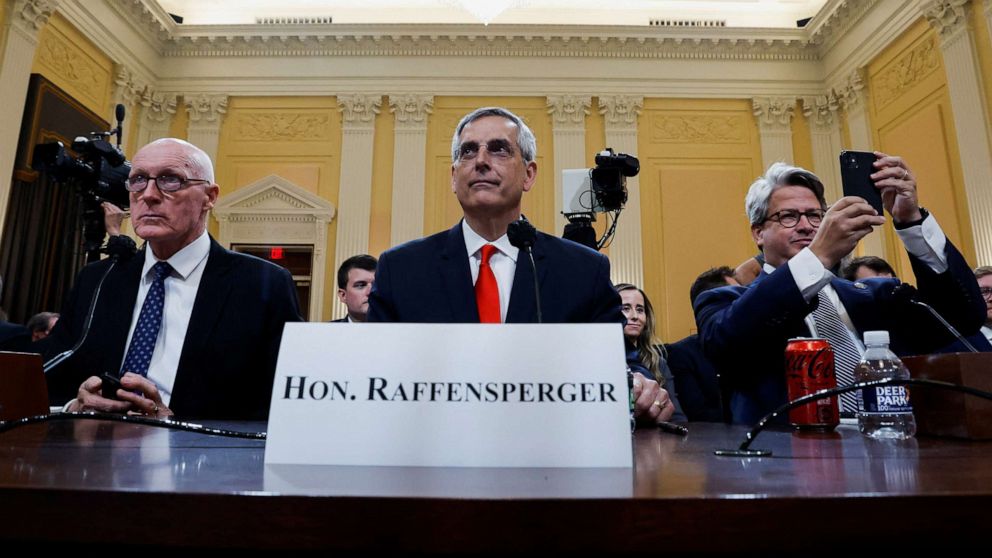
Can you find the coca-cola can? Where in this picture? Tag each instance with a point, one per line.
(809, 367)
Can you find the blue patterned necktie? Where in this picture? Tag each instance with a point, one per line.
(846, 353)
(139, 353)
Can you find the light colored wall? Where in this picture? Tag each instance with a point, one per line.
(72, 62)
(297, 138)
(697, 159)
(910, 114)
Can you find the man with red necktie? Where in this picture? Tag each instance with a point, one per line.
(471, 273)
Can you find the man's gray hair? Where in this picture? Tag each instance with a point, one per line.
(778, 175)
(525, 137)
(982, 271)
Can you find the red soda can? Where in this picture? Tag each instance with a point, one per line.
(809, 367)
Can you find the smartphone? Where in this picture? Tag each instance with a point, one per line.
(856, 168)
(110, 386)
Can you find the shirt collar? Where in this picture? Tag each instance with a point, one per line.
(474, 242)
(185, 260)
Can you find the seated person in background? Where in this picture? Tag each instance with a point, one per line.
(470, 273)
(984, 276)
(644, 354)
(355, 277)
(697, 381)
(41, 324)
(191, 328)
(13, 337)
(867, 266)
(745, 330)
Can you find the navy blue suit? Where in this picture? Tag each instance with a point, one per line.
(745, 330)
(429, 281)
(696, 380)
(229, 354)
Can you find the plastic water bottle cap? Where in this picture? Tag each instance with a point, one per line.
(876, 338)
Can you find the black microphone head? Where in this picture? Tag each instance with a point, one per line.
(904, 292)
(121, 248)
(119, 112)
(521, 233)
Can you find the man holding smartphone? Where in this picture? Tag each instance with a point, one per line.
(745, 330)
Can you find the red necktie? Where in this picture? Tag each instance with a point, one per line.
(486, 289)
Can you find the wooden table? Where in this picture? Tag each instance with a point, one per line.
(95, 482)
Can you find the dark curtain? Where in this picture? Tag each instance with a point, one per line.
(41, 248)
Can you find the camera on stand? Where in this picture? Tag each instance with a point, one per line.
(96, 169)
(601, 189)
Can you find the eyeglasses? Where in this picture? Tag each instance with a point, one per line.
(498, 149)
(986, 292)
(165, 183)
(789, 218)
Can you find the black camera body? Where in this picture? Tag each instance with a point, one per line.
(609, 178)
(99, 170)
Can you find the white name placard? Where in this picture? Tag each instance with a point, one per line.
(451, 395)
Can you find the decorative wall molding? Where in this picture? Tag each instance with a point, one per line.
(948, 17)
(359, 110)
(621, 110)
(852, 93)
(774, 113)
(127, 89)
(821, 110)
(411, 110)
(206, 109)
(283, 125)
(274, 210)
(835, 18)
(568, 111)
(698, 129)
(31, 15)
(906, 72)
(158, 107)
(80, 74)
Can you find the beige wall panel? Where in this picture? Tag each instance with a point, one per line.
(297, 138)
(911, 116)
(697, 159)
(983, 47)
(441, 209)
(70, 61)
(924, 137)
(802, 142)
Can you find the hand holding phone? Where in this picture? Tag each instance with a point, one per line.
(856, 168)
(110, 386)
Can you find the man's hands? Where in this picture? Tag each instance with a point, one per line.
(138, 396)
(651, 403)
(113, 217)
(846, 222)
(898, 186)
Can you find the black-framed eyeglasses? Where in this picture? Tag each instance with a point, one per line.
(986, 292)
(497, 148)
(789, 218)
(165, 183)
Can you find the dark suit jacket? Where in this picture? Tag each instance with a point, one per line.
(429, 281)
(696, 380)
(343, 320)
(229, 355)
(14, 337)
(745, 330)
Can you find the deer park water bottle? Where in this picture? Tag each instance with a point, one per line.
(883, 411)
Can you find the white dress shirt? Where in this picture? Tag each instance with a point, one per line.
(503, 263)
(925, 241)
(180, 292)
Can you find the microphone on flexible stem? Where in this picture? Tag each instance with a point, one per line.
(120, 248)
(522, 234)
(907, 293)
(119, 130)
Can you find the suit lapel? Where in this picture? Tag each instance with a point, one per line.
(859, 304)
(120, 290)
(211, 297)
(523, 302)
(456, 278)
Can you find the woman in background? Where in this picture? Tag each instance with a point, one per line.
(645, 354)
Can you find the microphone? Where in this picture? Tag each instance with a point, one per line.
(906, 293)
(119, 130)
(120, 248)
(522, 234)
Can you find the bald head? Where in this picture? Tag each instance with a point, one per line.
(199, 162)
